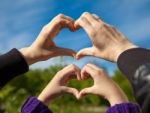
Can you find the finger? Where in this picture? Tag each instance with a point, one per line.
(61, 21)
(84, 23)
(75, 70)
(69, 90)
(64, 23)
(85, 52)
(90, 18)
(96, 68)
(85, 75)
(52, 43)
(87, 70)
(98, 18)
(72, 28)
(68, 18)
(84, 92)
(72, 70)
(57, 51)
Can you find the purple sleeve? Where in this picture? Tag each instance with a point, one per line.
(124, 108)
(33, 105)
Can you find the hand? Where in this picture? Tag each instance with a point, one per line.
(58, 87)
(44, 47)
(103, 85)
(108, 42)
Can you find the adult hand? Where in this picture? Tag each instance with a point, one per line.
(103, 85)
(44, 47)
(58, 87)
(108, 42)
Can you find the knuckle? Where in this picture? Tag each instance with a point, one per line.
(59, 20)
(103, 25)
(82, 18)
(73, 66)
(99, 71)
(45, 30)
(60, 15)
(59, 72)
(114, 28)
(85, 14)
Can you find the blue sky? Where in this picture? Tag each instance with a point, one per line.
(22, 20)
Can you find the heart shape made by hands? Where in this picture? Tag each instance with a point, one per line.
(103, 85)
(89, 72)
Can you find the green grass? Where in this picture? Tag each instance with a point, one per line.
(78, 109)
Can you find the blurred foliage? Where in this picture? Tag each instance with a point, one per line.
(14, 94)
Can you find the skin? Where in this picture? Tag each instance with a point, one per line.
(44, 47)
(57, 86)
(103, 85)
(108, 42)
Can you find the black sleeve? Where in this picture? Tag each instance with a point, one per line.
(131, 59)
(141, 84)
(11, 65)
(135, 65)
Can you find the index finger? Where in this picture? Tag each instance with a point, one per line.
(87, 70)
(63, 21)
(71, 70)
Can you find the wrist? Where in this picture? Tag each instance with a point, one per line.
(42, 99)
(46, 97)
(117, 99)
(28, 55)
(124, 48)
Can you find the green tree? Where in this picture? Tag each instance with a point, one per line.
(13, 95)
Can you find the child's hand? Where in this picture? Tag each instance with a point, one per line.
(58, 87)
(44, 47)
(103, 85)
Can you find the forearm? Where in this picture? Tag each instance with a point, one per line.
(12, 64)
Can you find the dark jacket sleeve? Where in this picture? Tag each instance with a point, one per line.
(135, 65)
(130, 60)
(12, 64)
(33, 105)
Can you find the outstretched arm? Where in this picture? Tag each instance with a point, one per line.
(104, 86)
(57, 87)
(17, 62)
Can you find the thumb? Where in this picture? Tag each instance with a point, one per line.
(84, 92)
(84, 52)
(70, 90)
(57, 51)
